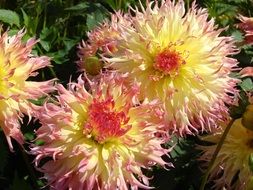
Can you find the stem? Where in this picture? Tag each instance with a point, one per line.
(65, 29)
(215, 154)
(120, 4)
(30, 169)
(188, 4)
(45, 15)
(52, 72)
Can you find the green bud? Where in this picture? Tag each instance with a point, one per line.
(92, 65)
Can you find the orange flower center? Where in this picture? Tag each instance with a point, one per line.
(104, 122)
(168, 61)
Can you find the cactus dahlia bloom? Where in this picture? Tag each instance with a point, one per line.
(99, 140)
(102, 40)
(180, 58)
(246, 26)
(231, 168)
(17, 64)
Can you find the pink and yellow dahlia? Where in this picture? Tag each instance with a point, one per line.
(231, 169)
(180, 58)
(101, 41)
(246, 26)
(17, 64)
(100, 140)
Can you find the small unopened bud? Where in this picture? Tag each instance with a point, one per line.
(247, 117)
(92, 65)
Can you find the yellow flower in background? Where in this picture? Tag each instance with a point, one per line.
(180, 58)
(102, 139)
(232, 166)
(17, 64)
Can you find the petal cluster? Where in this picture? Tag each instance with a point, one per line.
(246, 26)
(17, 64)
(231, 168)
(103, 40)
(100, 139)
(180, 58)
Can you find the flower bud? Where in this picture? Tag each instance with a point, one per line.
(92, 65)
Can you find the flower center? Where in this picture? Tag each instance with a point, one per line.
(104, 122)
(168, 61)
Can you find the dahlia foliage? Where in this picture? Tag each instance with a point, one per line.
(100, 139)
(17, 64)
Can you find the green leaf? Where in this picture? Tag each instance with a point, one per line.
(238, 36)
(247, 84)
(112, 4)
(237, 111)
(41, 183)
(186, 170)
(19, 183)
(59, 56)
(69, 43)
(94, 18)
(78, 7)
(12, 32)
(177, 150)
(9, 17)
(29, 136)
(25, 18)
(39, 101)
(48, 34)
(45, 45)
(39, 142)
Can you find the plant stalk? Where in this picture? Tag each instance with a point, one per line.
(30, 169)
(215, 154)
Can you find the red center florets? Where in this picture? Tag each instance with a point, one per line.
(104, 122)
(167, 61)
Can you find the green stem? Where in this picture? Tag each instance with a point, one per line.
(188, 4)
(50, 68)
(120, 4)
(215, 154)
(29, 168)
(45, 15)
(52, 72)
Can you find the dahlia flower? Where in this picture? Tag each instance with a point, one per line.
(247, 27)
(99, 140)
(16, 66)
(246, 72)
(231, 168)
(102, 40)
(180, 58)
